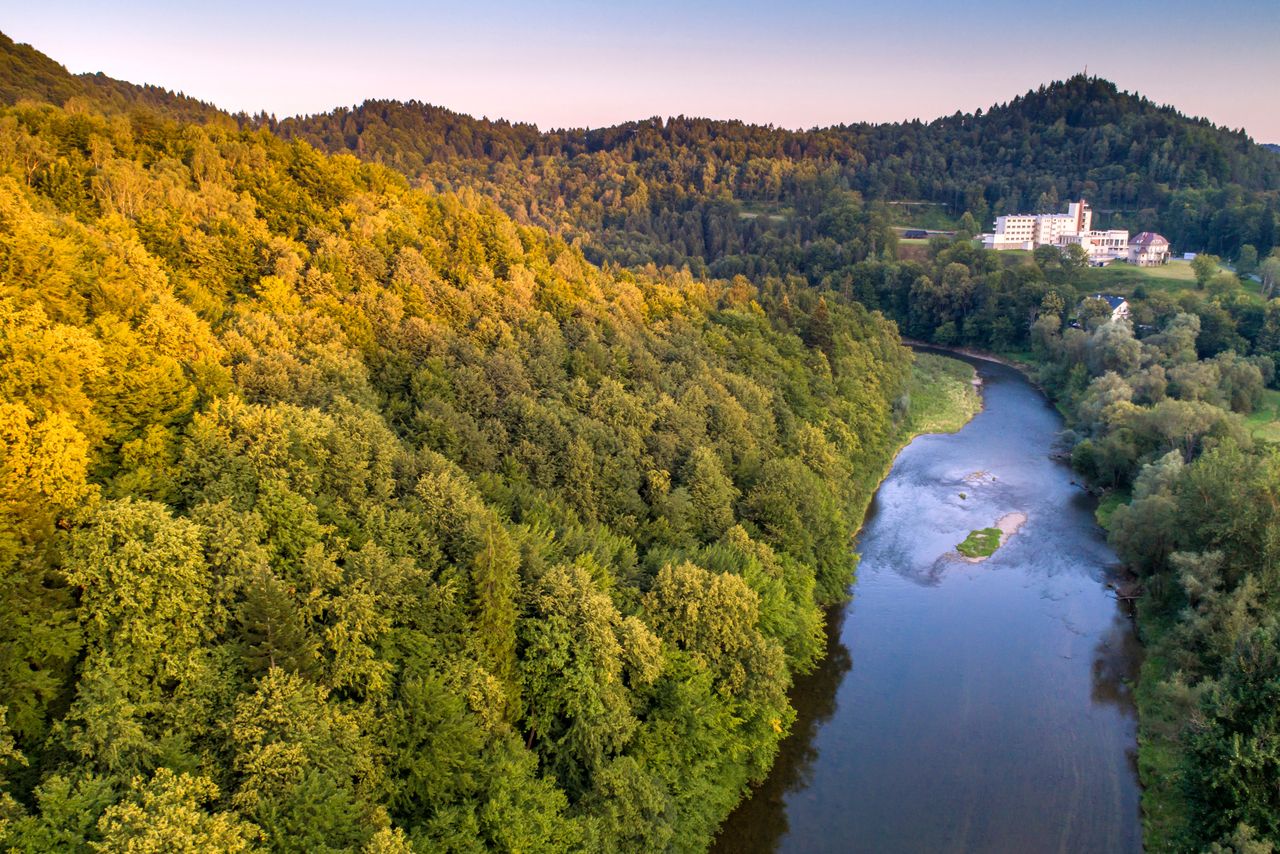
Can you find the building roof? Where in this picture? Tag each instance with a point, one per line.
(1149, 238)
(1113, 301)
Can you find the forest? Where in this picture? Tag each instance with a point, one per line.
(390, 480)
(339, 515)
(728, 198)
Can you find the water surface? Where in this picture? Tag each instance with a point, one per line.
(961, 706)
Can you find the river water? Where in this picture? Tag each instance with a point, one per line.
(966, 707)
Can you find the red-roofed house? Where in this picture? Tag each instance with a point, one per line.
(1148, 249)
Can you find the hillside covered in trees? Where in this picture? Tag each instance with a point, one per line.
(748, 199)
(338, 515)
(27, 74)
(726, 198)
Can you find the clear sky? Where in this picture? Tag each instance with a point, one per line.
(560, 63)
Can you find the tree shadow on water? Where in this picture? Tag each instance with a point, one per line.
(1115, 666)
(760, 821)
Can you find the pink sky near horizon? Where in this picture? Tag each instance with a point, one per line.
(574, 63)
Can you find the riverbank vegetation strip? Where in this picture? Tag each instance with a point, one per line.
(1169, 417)
(943, 395)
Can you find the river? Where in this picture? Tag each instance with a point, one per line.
(962, 706)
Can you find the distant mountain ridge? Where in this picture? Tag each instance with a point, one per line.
(689, 190)
(717, 195)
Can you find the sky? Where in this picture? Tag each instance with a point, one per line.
(576, 63)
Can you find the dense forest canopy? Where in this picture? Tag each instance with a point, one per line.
(723, 193)
(336, 514)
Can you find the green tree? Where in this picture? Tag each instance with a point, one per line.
(302, 764)
(820, 331)
(1247, 260)
(1269, 272)
(169, 813)
(1074, 259)
(1234, 762)
(575, 669)
(712, 494)
(1204, 266)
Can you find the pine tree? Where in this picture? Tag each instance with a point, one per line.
(820, 333)
(273, 630)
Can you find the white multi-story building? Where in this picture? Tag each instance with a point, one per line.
(1102, 246)
(1027, 231)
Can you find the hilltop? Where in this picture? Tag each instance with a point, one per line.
(26, 74)
(722, 196)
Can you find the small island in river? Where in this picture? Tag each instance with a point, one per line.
(983, 542)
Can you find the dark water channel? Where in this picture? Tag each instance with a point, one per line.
(966, 707)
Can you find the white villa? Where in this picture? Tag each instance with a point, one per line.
(1149, 249)
(1027, 231)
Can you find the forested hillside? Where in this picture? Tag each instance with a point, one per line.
(337, 514)
(27, 74)
(727, 198)
(749, 199)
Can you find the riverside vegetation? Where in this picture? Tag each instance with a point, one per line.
(340, 513)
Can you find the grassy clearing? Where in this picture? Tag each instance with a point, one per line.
(771, 211)
(1121, 278)
(908, 214)
(980, 543)
(1264, 422)
(943, 397)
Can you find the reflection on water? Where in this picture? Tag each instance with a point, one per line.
(1115, 666)
(814, 696)
(966, 707)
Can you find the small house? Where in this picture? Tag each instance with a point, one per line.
(1148, 249)
(1119, 306)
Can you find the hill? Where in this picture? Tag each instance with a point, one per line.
(338, 515)
(27, 74)
(689, 190)
(728, 198)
